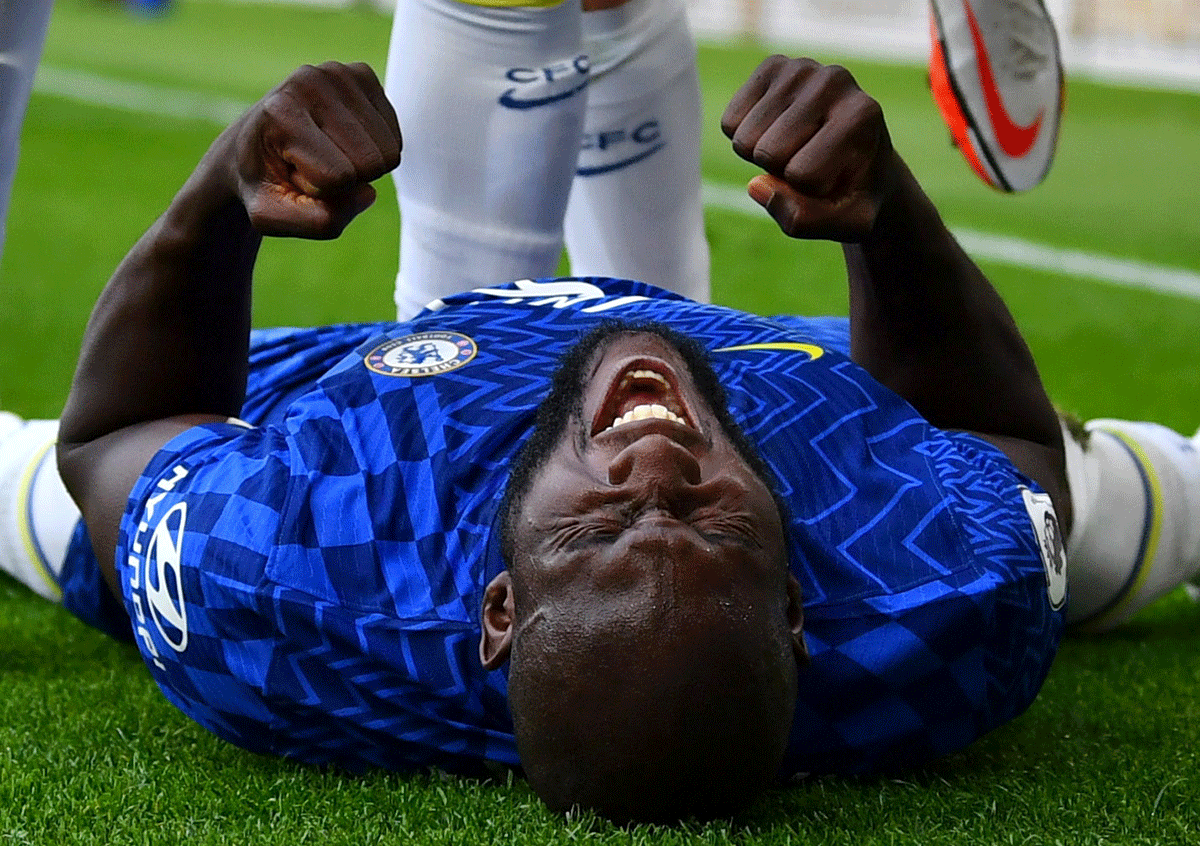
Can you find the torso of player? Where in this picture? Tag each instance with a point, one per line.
(921, 583)
(892, 573)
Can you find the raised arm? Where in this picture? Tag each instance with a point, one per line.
(166, 345)
(924, 320)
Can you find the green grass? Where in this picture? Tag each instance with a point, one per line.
(91, 752)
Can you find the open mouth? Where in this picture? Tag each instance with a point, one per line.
(645, 389)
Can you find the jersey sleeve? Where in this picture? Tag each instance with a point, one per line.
(276, 603)
(958, 631)
(199, 528)
(1007, 523)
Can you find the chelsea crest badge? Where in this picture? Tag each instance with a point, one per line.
(421, 354)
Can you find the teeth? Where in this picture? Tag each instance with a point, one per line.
(646, 374)
(644, 411)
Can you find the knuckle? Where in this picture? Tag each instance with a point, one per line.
(773, 68)
(863, 103)
(773, 62)
(795, 174)
(870, 108)
(274, 112)
(299, 83)
(314, 80)
(837, 73)
(768, 159)
(304, 75)
(837, 82)
(743, 146)
(800, 68)
(330, 73)
(371, 163)
(363, 72)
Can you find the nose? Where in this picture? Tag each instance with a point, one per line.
(656, 466)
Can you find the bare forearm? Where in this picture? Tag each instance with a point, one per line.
(166, 346)
(926, 322)
(924, 319)
(169, 333)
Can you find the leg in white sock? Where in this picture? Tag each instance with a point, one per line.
(22, 33)
(635, 207)
(37, 515)
(1135, 491)
(491, 103)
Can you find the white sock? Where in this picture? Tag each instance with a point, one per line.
(635, 207)
(22, 34)
(37, 515)
(1135, 491)
(486, 171)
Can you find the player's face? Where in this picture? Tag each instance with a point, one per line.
(645, 505)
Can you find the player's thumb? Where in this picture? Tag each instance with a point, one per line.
(342, 208)
(782, 202)
(289, 213)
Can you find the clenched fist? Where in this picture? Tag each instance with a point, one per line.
(823, 143)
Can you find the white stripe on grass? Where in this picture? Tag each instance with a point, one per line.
(163, 101)
(1018, 252)
(156, 100)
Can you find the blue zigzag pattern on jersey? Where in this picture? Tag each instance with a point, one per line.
(368, 508)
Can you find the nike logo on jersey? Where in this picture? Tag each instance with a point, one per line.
(811, 350)
(1015, 140)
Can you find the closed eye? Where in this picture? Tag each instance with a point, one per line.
(603, 530)
(738, 528)
(590, 532)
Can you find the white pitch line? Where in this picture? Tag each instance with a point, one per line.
(1018, 252)
(192, 105)
(1101, 268)
(156, 100)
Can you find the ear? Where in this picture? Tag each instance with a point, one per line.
(498, 616)
(795, 616)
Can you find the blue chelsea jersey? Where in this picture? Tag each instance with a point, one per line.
(311, 587)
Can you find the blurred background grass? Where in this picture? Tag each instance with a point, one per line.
(89, 751)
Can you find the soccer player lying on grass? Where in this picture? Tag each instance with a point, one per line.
(473, 538)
